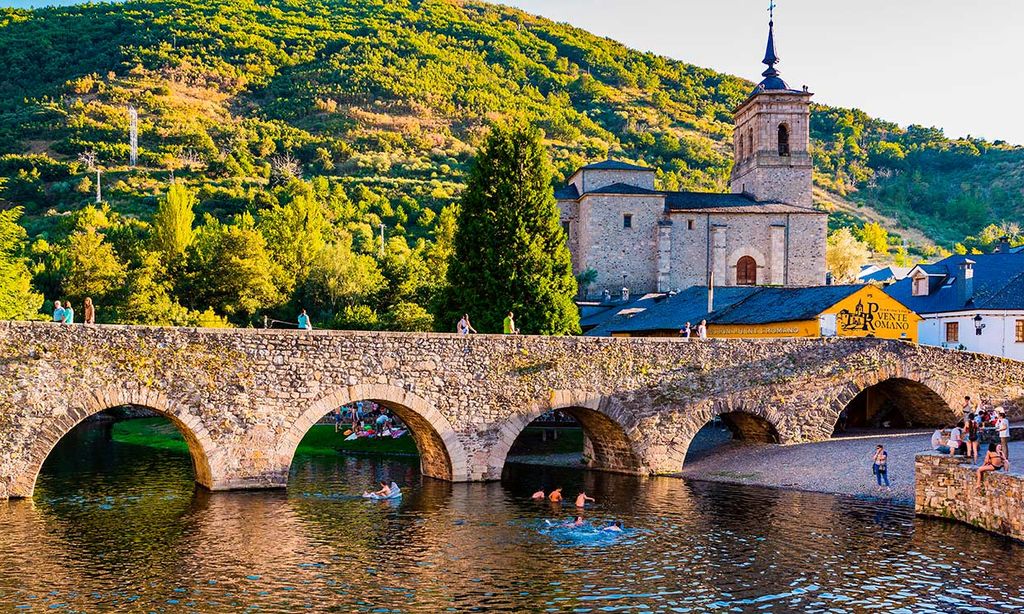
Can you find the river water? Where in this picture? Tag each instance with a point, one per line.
(117, 527)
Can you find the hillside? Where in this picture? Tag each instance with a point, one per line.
(379, 104)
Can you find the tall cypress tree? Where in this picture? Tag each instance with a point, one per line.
(510, 251)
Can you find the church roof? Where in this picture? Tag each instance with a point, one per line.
(614, 165)
(704, 202)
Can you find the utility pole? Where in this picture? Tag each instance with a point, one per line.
(133, 134)
(99, 191)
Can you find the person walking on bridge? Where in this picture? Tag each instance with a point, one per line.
(69, 314)
(464, 327)
(304, 321)
(509, 325)
(58, 312)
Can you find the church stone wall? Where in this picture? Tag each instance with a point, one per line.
(614, 251)
(689, 251)
(807, 234)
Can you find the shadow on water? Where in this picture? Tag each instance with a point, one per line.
(116, 527)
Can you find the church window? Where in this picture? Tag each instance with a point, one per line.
(746, 271)
(783, 140)
(565, 229)
(750, 142)
(627, 220)
(689, 224)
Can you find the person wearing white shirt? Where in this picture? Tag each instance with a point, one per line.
(1003, 427)
(937, 442)
(955, 439)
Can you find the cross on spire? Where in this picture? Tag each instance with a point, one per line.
(771, 10)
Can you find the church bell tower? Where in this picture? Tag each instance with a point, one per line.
(771, 161)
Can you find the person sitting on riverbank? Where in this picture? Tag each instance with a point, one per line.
(538, 496)
(994, 461)
(384, 492)
(955, 439)
(939, 442)
(582, 498)
(556, 495)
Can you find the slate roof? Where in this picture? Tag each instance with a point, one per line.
(604, 322)
(613, 165)
(704, 202)
(886, 274)
(998, 285)
(568, 192)
(690, 305)
(733, 305)
(770, 305)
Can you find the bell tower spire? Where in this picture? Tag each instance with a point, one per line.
(771, 138)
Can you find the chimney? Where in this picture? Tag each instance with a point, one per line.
(625, 294)
(1003, 246)
(965, 282)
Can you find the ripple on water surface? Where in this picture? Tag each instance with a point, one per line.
(128, 531)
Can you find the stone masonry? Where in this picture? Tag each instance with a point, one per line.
(946, 488)
(245, 398)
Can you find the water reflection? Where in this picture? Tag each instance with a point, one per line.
(128, 530)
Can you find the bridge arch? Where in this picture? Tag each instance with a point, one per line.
(442, 454)
(605, 428)
(200, 445)
(921, 400)
(746, 421)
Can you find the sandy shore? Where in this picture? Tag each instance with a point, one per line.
(838, 466)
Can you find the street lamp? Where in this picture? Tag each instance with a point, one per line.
(978, 325)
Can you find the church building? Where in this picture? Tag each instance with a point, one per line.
(765, 232)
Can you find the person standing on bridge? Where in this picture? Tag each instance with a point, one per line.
(509, 325)
(304, 321)
(464, 327)
(685, 332)
(89, 311)
(702, 329)
(69, 314)
(58, 312)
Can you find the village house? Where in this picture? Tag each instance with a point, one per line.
(973, 303)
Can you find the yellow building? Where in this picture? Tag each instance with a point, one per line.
(767, 312)
(843, 311)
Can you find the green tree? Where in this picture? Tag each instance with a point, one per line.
(844, 255)
(172, 223)
(510, 251)
(342, 278)
(295, 230)
(875, 237)
(229, 270)
(95, 270)
(17, 299)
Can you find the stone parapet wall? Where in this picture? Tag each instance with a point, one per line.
(946, 488)
(245, 398)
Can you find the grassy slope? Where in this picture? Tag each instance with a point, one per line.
(396, 93)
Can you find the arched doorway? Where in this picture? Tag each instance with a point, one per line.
(894, 403)
(746, 271)
(441, 454)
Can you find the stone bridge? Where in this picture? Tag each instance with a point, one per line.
(245, 398)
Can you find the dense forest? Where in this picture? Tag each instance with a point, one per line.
(298, 153)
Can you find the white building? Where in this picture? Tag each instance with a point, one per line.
(972, 303)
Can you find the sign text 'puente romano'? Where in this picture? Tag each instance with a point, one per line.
(245, 398)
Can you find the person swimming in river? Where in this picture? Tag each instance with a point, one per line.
(556, 495)
(538, 496)
(574, 524)
(582, 498)
(384, 492)
(614, 526)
